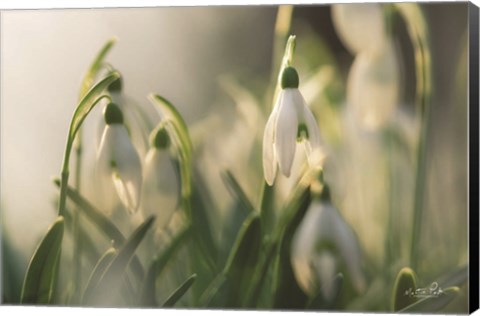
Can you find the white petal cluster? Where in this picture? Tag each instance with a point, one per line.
(118, 158)
(322, 242)
(373, 81)
(290, 121)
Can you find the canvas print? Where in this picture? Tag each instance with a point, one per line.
(292, 157)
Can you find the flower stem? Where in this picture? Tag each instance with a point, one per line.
(77, 242)
(418, 33)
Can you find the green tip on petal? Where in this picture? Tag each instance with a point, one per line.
(302, 132)
(160, 139)
(116, 86)
(112, 114)
(290, 78)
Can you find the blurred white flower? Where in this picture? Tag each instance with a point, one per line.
(290, 121)
(373, 86)
(161, 186)
(361, 26)
(323, 242)
(374, 78)
(118, 158)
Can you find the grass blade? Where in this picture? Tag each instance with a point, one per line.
(180, 291)
(103, 224)
(287, 293)
(148, 294)
(242, 261)
(180, 131)
(99, 269)
(96, 216)
(88, 101)
(95, 67)
(104, 292)
(40, 279)
(237, 190)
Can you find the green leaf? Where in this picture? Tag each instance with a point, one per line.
(237, 190)
(287, 293)
(40, 279)
(267, 213)
(95, 215)
(88, 102)
(180, 291)
(433, 303)
(180, 136)
(301, 196)
(95, 67)
(148, 295)
(107, 287)
(404, 289)
(455, 278)
(99, 269)
(241, 263)
(103, 224)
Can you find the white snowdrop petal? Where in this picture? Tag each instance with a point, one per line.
(373, 87)
(361, 27)
(350, 251)
(269, 161)
(303, 247)
(323, 223)
(161, 187)
(118, 157)
(325, 267)
(286, 131)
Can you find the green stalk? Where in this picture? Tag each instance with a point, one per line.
(77, 241)
(418, 32)
(66, 158)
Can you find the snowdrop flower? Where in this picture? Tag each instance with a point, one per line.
(374, 78)
(373, 87)
(361, 26)
(323, 242)
(161, 187)
(290, 121)
(118, 158)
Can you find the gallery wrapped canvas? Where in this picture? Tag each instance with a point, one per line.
(318, 157)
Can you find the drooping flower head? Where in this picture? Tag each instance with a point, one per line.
(322, 243)
(161, 189)
(290, 122)
(373, 85)
(118, 158)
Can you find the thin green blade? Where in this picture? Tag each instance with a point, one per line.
(103, 224)
(237, 190)
(95, 67)
(99, 269)
(242, 261)
(40, 279)
(148, 295)
(109, 283)
(181, 137)
(180, 291)
(88, 102)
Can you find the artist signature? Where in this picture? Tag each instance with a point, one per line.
(433, 291)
